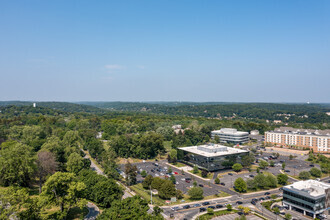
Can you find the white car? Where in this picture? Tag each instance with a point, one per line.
(162, 174)
(156, 174)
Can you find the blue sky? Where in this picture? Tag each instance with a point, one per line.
(180, 50)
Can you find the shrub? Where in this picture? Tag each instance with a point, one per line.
(195, 193)
(304, 175)
(237, 167)
(315, 172)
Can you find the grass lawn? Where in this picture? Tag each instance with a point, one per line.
(77, 213)
(209, 175)
(215, 214)
(138, 188)
(178, 164)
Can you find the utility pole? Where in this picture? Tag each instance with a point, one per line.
(150, 195)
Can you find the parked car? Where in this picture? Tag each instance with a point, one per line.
(253, 202)
(175, 208)
(239, 202)
(251, 175)
(230, 174)
(202, 209)
(223, 184)
(176, 173)
(201, 185)
(211, 207)
(219, 206)
(187, 181)
(267, 197)
(186, 207)
(288, 171)
(196, 205)
(267, 193)
(205, 203)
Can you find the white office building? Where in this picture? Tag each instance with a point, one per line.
(308, 197)
(231, 135)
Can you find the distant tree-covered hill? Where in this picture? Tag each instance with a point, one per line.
(301, 113)
(62, 106)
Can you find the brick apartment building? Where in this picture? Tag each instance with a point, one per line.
(318, 140)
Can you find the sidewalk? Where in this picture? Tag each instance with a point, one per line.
(210, 180)
(281, 171)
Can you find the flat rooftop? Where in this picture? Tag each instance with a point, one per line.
(230, 131)
(212, 150)
(290, 130)
(308, 188)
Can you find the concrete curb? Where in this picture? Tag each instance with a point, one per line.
(199, 201)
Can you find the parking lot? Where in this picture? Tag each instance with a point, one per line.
(183, 181)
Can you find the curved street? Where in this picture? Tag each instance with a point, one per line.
(93, 211)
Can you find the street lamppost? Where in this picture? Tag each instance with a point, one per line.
(150, 196)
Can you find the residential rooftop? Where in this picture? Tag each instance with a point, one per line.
(308, 188)
(212, 150)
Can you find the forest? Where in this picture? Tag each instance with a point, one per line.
(44, 166)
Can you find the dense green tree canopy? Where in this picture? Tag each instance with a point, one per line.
(17, 164)
(127, 209)
(64, 190)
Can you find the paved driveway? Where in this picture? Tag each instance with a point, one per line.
(93, 211)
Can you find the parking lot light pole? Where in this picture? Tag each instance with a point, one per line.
(150, 195)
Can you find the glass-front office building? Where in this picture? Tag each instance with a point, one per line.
(213, 157)
(307, 197)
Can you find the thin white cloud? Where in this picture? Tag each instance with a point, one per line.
(114, 67)
(141, 67)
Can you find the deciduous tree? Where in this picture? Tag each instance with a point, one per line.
(240, 185)
(75, 163)
(195, 193)
(46, 165)
(17, 164)
(237, 167)
(63, 190)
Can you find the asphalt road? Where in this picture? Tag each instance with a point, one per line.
(93, 211)
(190, 213)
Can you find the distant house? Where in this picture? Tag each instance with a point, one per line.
(99, 135)
(254, 132)
(177, 129)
